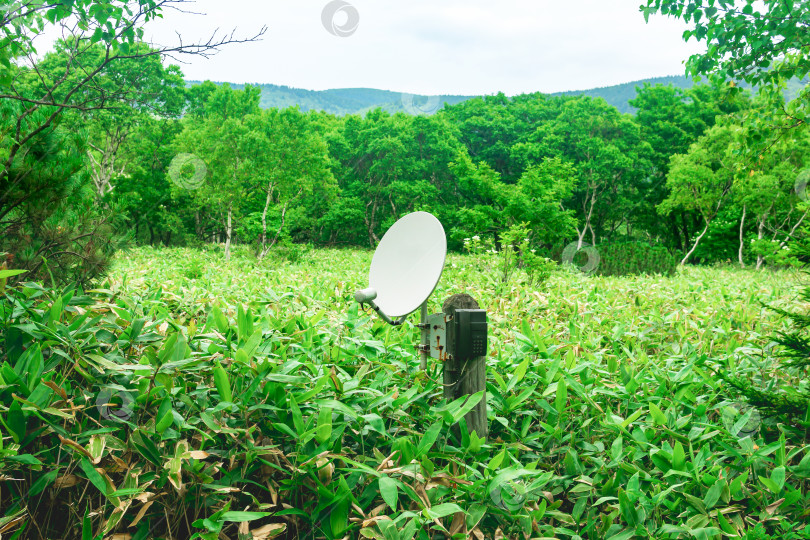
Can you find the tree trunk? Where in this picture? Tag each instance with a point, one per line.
(760, 235)
(103, 169)
(228, 232)
(695, 245)
(742, 225)
(587, 224)
(676, 234)
(264, 249)
(373, 240)
(685, 227)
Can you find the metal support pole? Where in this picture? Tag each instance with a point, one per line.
(425, 341)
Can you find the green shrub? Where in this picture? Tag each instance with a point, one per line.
(629, 258)
(194, 269)
(515, 254)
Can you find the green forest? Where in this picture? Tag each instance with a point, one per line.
(182, 355)
(183, 166)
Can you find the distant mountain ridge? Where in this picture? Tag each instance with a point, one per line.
(344, 101)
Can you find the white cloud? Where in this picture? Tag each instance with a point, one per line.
(447, 47)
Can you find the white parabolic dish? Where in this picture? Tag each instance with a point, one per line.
(408, 263)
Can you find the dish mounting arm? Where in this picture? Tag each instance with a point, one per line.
(367, 296)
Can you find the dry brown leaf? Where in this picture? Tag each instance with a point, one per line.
(420, 491)
(371, 521)
(477, 534)
(145, 497)
(498, 534)
(198, 454)
(270, 530)
(377, 509)
(121, 465)
(771, 508)
(120, 536)
(459, 524)
(273, 493)
(227, 490)
(141, 513)
(384, 463)
(56, 388)
(325, 470)
(75, 446)
(13, 523)
(66, 481)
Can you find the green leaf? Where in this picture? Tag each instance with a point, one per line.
(778, 477)
(678, 457)
(324, 430)
(42, 482)
(713, 495)
(9, 273)
(164, 422)
(93, 475)
(298, 419)
(562, 396)
(442, 510)
(616, 449)
(240, 517)
(496, 461)
(770, 484)
(28, 459)
(627, 508)
(427, 440)
(657, 414)
(389, 491)
(520, 372)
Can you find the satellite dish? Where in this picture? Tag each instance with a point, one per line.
(407, 264)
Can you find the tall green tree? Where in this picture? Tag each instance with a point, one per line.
(292, 163)
(757, 41)
(536, 200)
(37, 93)
(701, 179)
(670, 120)
(225, 139)
(767, 193)
(606, 149)
(763, 42)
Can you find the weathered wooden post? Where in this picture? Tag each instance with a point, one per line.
(464, 375)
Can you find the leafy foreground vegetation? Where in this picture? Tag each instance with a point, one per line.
(189, 396)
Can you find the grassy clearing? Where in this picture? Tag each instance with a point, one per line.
(256, 397)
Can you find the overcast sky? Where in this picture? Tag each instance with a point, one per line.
(439, 47)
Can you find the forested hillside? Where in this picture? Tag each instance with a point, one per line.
(361, 100)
